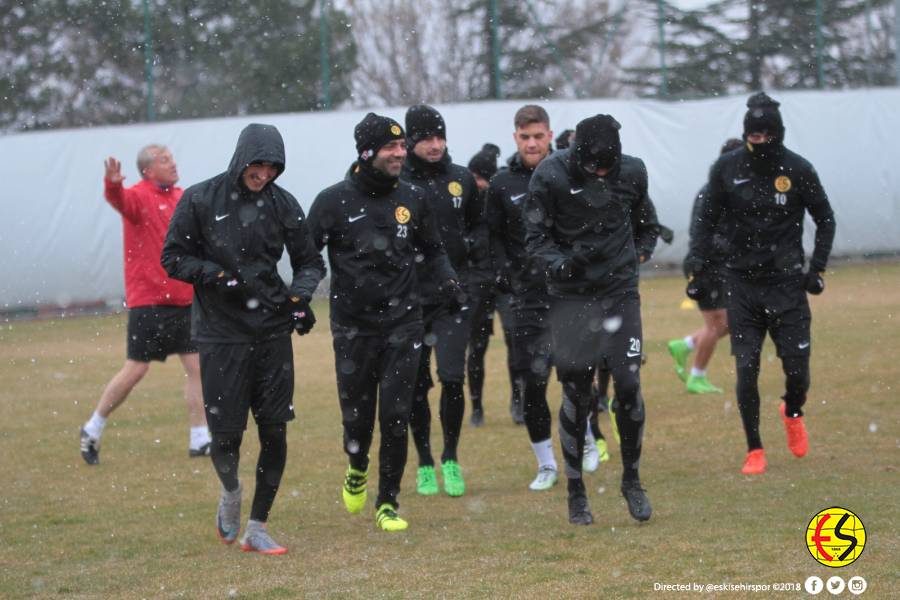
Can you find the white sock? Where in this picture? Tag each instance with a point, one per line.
(695, 372)
(690, 342)
(589, 434)
(199, 437)
(543, 451)
(94, 426)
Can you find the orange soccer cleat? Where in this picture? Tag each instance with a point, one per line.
(755, 463)
(797, 439)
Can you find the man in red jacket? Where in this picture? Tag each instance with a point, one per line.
(159, 308)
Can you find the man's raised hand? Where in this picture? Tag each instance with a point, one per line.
(113, 170)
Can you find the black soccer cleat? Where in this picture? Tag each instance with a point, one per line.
(90, 448)
(579, 511)
(203, 450)
(477, 417)
(638, 503)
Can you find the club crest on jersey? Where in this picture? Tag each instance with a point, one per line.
(395, 130)
(783, 183)
(455, 188)
(401, 213)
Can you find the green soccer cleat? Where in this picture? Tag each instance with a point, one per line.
(354, 490)
(679, 351)
(454, 484)
(602, 450)
(426, 481)
(699, 384)
(611, 410)
(387, 519)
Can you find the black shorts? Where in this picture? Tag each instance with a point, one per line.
(530, 337)
(378, 365)
(242, 378)
(780, 309)
(590, 333)
(447, 333)
(716, 297)
(155, 332)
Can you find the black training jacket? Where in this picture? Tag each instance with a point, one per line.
(506, 195)
(761, 217)
(606, 221)
(458, 213)
(374, 243)
(718, 247)
(220, 226)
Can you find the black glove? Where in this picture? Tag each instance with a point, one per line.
(569, 268)
(697, 286)
(814, 283)
(302, 315)
(232, 287)
(453, 294)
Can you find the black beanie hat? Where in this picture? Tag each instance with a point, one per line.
(423, 121)
(564, 139)
(373, 132)
(763, 116)
(597, 143)
(484, 163)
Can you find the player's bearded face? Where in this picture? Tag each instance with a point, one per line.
(389, 159)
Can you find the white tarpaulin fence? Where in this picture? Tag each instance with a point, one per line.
(60, 242)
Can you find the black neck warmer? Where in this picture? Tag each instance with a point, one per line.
(372, 181)
(765, 158)
(425, 168)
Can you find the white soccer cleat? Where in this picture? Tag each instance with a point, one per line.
(590, 460)
(546, 479)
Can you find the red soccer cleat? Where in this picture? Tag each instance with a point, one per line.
(755, 463)
(797, 439)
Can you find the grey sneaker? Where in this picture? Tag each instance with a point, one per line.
(546, 479)
(257, 539)
(228, 517)
(90, 448)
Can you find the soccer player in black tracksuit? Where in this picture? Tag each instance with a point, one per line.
(588, 216)
(377, 228)
(758, 196)
(711, 301)
(525, 275)
(453, 198)
(226, 237)
(483, 294)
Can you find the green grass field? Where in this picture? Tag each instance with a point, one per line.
(141, 525)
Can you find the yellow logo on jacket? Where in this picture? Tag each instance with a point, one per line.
(455, 188)
(783, 183)
(402, 214)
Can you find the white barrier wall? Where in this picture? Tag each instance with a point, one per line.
(60, 242)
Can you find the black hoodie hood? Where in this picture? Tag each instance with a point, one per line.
(257, 143)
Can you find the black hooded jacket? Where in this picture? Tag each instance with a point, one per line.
(760, 215)
(717, 248)
(220, 226)
(506, 195)
(606, 222)
(458, 213)
(375, 239)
